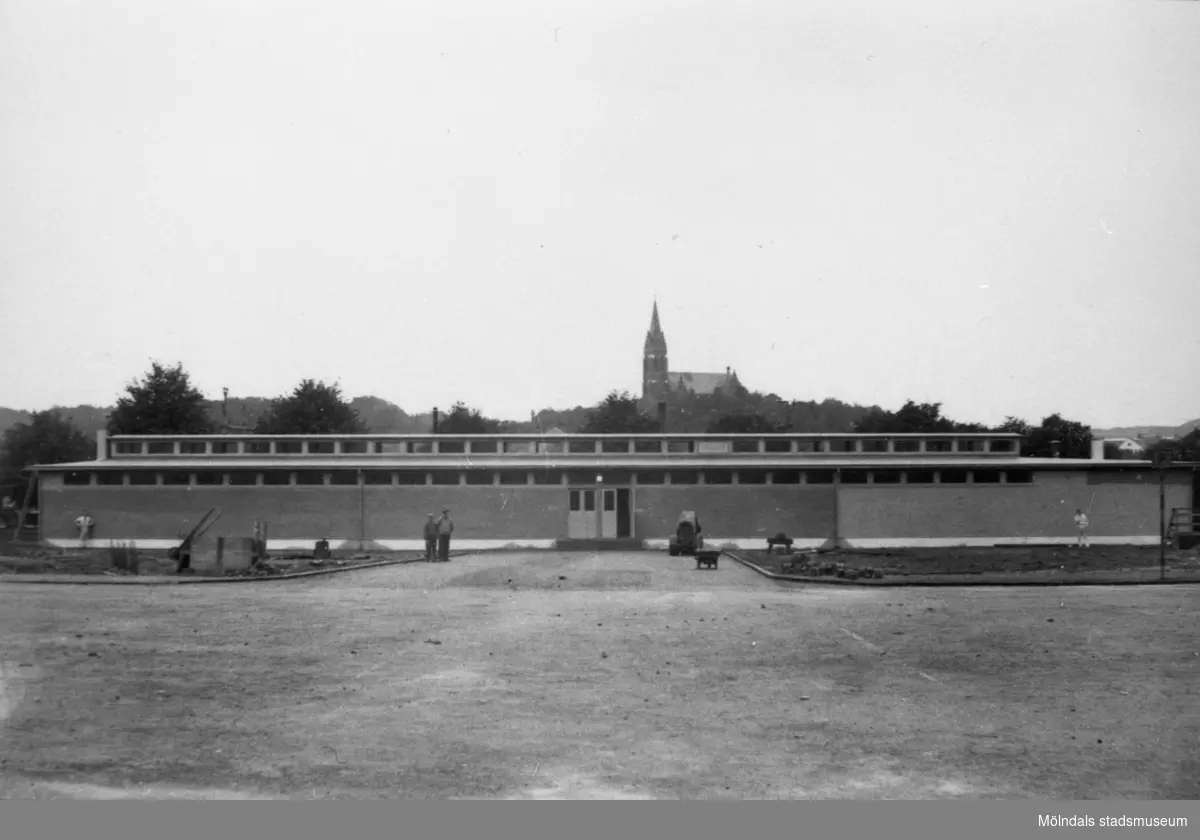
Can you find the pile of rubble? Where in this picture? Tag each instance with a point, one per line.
(815, 567)
(258, 570)
(318, 562)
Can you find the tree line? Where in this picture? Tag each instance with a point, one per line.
(164, 401)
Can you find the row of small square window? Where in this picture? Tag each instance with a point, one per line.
(575, 447)
(350, 478)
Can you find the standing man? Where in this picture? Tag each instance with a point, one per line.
(431, 539)
(1081, 523)
(85, 524)
(445, 527)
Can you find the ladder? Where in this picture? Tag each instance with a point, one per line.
(24, 514)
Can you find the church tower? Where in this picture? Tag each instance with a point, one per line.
(654, 361)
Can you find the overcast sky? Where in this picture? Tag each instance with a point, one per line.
(991, 205)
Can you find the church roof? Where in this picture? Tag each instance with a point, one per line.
(700, 383)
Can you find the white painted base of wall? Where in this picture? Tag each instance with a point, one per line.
(650, 545)
(455, 545)
(988, 542)
(149, 545)
(735, 542)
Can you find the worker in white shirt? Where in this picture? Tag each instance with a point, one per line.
(85, 524)
(1081, 525)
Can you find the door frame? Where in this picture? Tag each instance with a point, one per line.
(599, 491)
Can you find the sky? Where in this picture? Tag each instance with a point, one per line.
(987, 205)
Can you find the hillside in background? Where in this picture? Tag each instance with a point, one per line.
(1152, 432)
(88, 418)
(691, 415)
(383, 417)
(242, 412)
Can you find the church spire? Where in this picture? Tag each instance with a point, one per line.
(655, 328)
(654, 359)
(656, 341)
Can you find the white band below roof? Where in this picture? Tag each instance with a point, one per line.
(642, 463)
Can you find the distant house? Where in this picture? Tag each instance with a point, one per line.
(1124, 447)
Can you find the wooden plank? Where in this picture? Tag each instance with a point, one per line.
(25, 506)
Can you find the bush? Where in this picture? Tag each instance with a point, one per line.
(124, 557)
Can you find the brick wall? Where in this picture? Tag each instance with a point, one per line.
(305, 512)
(1122, 507)
(486, 513)
(802, 511)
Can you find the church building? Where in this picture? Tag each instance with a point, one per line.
(659, 382)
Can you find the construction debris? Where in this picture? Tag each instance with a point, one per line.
(260, 569)
(825, 568)
(182, 553)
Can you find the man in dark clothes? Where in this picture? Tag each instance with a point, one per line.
(445, 527)
(431, 538)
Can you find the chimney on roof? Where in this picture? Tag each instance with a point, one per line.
(727, 369)
(435, 419)
(1097, 450)
(662, 417)
(1056, 448)
(101, 445)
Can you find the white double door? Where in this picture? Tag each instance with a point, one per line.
(593, 513)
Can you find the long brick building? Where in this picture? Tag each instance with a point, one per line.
(374, 491)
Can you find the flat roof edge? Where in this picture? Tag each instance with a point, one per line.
(301, 463)
(573, 435)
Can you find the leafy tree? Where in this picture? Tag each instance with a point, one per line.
(48, 438)
(463, 420)
(877, 421)
(313, 408)
(745, 424)
(619, 413)
(1015, 425)
(829, 415)
(88, 418)
(699, 412)
(163, 402)
(912, 418)
(569, 419)
(1186, 448)
(237, 414)
(1075, 439)
(383, 417)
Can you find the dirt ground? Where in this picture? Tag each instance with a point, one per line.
(554, 676)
